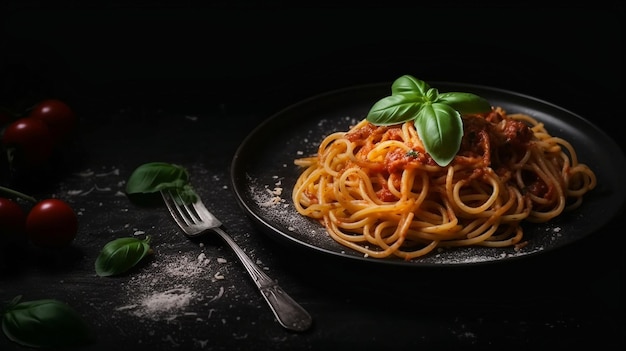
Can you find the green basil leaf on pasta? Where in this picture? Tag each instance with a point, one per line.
(465, 103)
(409, 85)
(437, 116)
(394, 109)
(440, 128)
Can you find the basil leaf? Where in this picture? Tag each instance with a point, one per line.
(187, 194)
(155, 176)
(45, 323)
(436, 116)
(441, 129)
(465, 103)
(432, 95)
(395, 109)
(120, 255)
(409, 85)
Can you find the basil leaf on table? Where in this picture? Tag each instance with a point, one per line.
(155, 176)
(120, 255)
(45, 323)
(150, 178)
(437, 116)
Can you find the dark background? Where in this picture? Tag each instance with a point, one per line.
(133, 70)
(271, 56)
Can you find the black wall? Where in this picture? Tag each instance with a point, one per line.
(269, 56)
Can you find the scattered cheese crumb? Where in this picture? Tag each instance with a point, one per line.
(113, 172)
(216, 297)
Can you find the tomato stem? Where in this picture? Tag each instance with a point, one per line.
(18, 194)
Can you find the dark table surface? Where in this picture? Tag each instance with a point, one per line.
(187, 85)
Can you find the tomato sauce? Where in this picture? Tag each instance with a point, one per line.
(488, 141)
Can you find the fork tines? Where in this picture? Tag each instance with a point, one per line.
(183, 214)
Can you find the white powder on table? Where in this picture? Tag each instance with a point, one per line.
(167, 289)
(165, 304)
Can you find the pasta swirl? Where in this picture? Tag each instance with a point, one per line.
(377, 191)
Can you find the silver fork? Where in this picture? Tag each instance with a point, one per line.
(195, 219)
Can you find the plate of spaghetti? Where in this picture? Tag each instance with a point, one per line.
(340, 174)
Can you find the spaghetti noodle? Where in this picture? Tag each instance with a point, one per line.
(377, 191)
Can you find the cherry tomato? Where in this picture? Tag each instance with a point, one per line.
(12, 220)
(28, 142)
(59, 117)
(51, 223)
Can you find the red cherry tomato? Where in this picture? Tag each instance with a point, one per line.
(51, 223)
(59, 117)
(29, 142)
(12, 220)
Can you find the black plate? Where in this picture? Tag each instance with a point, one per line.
(263, 165)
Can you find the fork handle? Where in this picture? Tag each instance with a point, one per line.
(289, 313)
